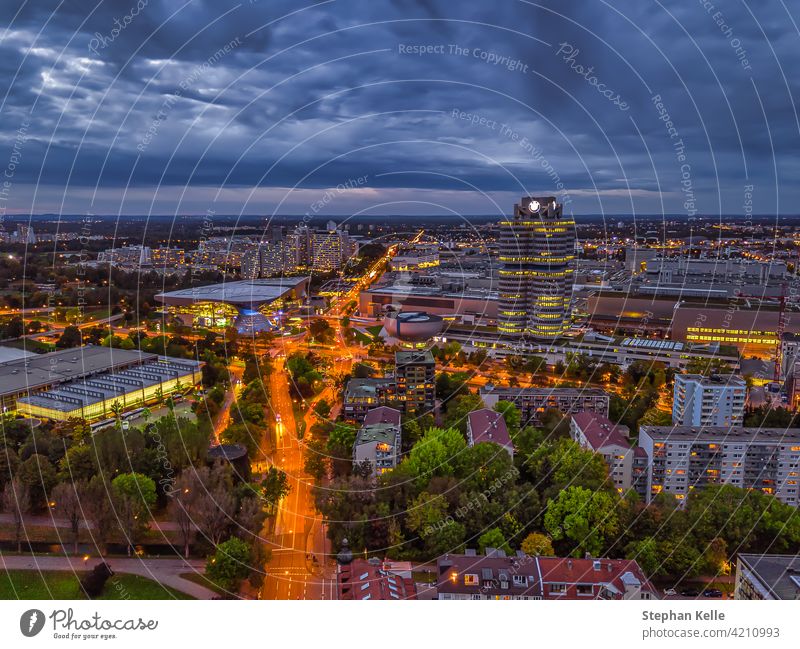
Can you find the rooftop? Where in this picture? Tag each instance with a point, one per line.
(715, 380)
(241, 293)
(379, 433)
(111, 385)
(382, 415)
(599, 431)
(779, 574)
(40, 370)
(412, 357)
(366, 579)
(722, 434)
(488, 426)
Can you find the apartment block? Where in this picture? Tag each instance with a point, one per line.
(534, 402)
(599, 435)
(684, 458)
(716, 400)
(416, 381)
(378, 441)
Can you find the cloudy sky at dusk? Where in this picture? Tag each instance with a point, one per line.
(436, 106)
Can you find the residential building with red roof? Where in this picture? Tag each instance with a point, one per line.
(498, 576)
(599, 435)
(366, 579)
(485, 425)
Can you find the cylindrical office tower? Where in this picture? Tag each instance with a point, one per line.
(537, 248)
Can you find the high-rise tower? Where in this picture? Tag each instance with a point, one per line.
(537, 248)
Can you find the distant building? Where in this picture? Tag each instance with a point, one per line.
(366, 579)
(132, 256)
(684, 458)
(24, 234)
(378, 441)
(416, 382)
(537, 250)
(599, 435)
(716, 400)
(767, 577)
(486, 425)
(520, 577)
(331, 250)
(168, 257)
(534, 402)
(417, 257)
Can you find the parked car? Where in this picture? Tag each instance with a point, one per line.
(712, 592)
(670, 592)
(690, 592)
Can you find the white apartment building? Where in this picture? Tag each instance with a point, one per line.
(716, 400)
(684, 458)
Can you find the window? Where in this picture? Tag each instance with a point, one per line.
(584, 589)
(558, 588)
(520, 580)
(470, 580)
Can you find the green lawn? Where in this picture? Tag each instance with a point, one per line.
(30, 584)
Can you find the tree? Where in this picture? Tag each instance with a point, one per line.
(537, 544)
(77, 464)
(316, 462)
(17, 502)
(274, 487)
(459, 408)
(435, 454)
(67, 501)
(655, 417)
(511, 415)
(250, 518)
(215, 505)
(493, 538)
(95, 497)
(134, 496)
(39, 475)
(70, 337)
(182, 496)
(230, 563)
(583, 520)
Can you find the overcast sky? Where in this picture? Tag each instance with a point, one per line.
(429, 107)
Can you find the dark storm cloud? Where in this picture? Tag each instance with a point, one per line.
(275, 95)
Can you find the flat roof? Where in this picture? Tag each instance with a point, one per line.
(405, 358)
(778, 573)
(244, 292)
(722, 434)
(111, 385)
(380, 433)
(39, 370)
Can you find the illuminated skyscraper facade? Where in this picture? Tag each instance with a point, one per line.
(537, 250)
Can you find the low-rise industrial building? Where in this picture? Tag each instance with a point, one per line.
(37, 372)
(99, 396)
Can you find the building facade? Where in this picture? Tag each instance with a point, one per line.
(599, 435)
(379, 440)
(521, 577)
(684, 458)
(416, 381)
(534, 402)
(537, 250)
(716, 400)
